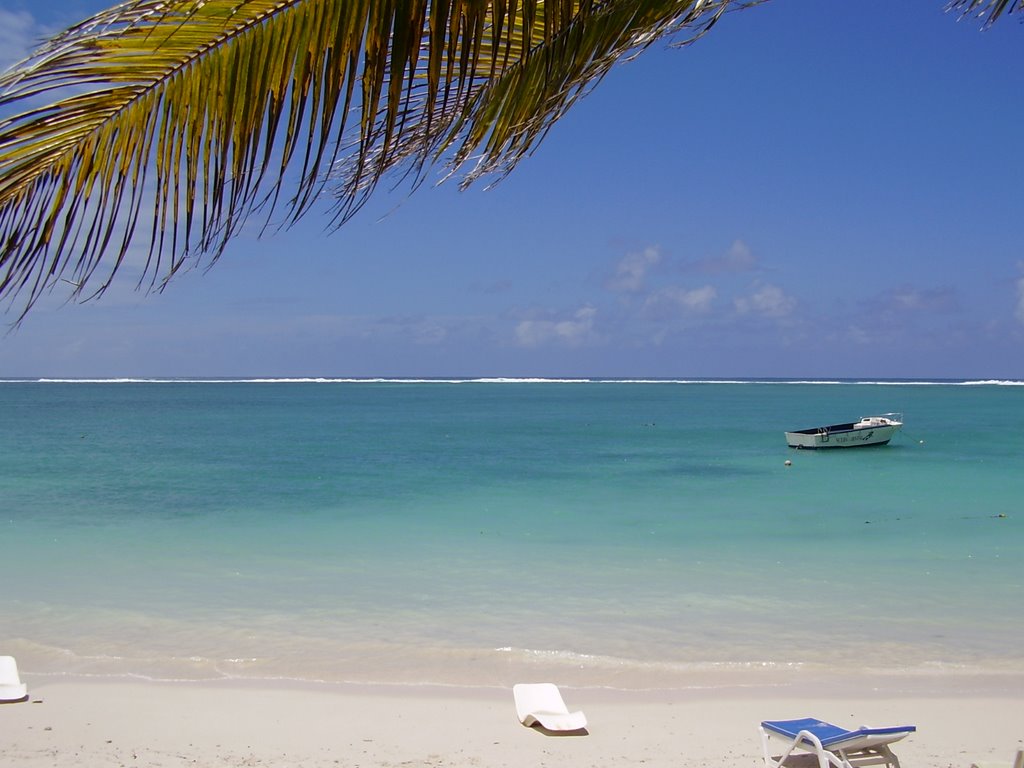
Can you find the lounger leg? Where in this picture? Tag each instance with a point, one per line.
(890, 756)
(768, 762)
(880, 755)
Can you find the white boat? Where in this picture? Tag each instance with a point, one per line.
(871, 430)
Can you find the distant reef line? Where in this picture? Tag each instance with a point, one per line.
(511, 380)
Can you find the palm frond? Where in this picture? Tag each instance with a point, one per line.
(192, 115)
(988, 10)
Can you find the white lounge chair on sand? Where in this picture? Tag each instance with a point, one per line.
(809, 741)
(541, 704)
(11, 687)
(1018, 762)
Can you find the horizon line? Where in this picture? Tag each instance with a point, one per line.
(511, 380)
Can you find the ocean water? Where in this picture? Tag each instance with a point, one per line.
(619, 534)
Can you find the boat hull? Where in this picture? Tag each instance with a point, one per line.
(867, 432)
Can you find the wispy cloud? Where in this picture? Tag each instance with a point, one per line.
(767, 301)
(571, 331)
(675, 299)
(907, 299)
(737, 259)
(650, 307)
(631, 273)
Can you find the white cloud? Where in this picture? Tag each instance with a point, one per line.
(738, 259)
(768, 301)
(18, 34)
(675, 298)
(570, 332)
(632, 271)
(917, 300)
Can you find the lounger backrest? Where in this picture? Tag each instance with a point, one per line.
(8, 671)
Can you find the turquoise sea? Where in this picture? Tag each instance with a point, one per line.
(619, 534)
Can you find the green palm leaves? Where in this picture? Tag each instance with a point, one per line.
(176, 120)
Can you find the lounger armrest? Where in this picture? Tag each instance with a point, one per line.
(804, 740)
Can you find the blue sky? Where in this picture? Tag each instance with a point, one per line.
(819, 188)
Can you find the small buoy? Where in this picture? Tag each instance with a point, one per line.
(789, 463)
(920, 442)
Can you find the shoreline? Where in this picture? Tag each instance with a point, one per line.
(838, 684)
(100, 723)
(639, 679)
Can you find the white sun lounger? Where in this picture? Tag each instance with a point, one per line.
(812, 741)
(11, 687)
(541, 704)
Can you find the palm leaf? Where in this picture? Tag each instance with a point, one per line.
(989, 10)
(194, 114)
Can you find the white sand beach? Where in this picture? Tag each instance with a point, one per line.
(70, 722)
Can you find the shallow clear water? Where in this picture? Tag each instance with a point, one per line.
(628, 534)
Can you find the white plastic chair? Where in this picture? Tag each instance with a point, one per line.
(541, 704)
(11, 687)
